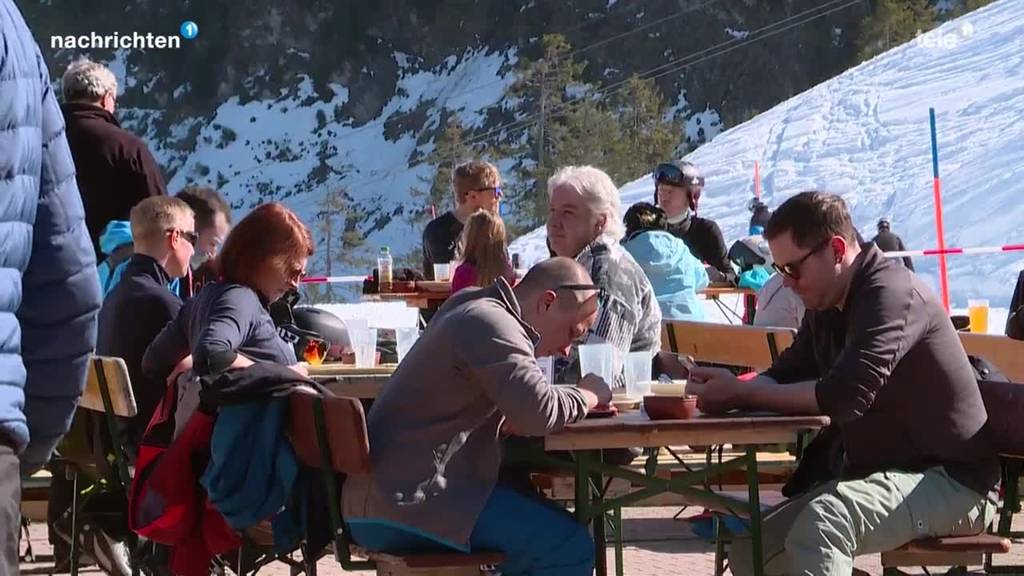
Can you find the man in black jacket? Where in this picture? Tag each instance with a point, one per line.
(163, 230)
(477, 186)
(888, 241)
(114, 168)
(677, 189)
(138, 308)
(878, 355)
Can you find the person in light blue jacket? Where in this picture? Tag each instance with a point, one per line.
(674, 272)
(116, 242)
(49, 294)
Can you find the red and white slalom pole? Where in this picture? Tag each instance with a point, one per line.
(948, 251)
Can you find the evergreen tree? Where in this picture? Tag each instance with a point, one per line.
(647, 135)
(450, 150)
(545, 89)
(891, 23)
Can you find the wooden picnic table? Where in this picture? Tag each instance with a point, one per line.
(715, 292)
(352, 382)
(586, 441)
(427, 294)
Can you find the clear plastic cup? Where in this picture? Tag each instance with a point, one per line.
(443, 272)
(638, 374)
(404, 340)
(598, 359)
(547, 366)
(364, 344)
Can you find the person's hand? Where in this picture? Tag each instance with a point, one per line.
(598, 387)
(675, 366)
(302, 368)
(184, 366)
(717, 390)
(507, 429)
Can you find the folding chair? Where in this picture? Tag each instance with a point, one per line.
(108, 391)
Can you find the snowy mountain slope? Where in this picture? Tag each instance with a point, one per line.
(865, 134)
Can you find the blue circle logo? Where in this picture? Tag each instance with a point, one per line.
(189, 30)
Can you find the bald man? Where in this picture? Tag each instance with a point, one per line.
(435, 440)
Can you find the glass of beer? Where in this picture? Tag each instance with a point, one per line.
(977, 311)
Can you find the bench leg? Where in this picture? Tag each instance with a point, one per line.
(615, 519)
(719, 545)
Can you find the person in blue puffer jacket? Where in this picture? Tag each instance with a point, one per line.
(674, 272)
(49, 295)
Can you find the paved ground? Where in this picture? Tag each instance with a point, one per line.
(656, 545)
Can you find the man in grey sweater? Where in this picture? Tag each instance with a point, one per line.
(876, 353)
(435, 430)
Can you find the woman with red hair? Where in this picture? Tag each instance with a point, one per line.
(227, 324)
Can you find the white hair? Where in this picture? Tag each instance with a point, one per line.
(598, 192)
(87, 80)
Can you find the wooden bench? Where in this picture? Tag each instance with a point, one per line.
(329, 433)
(754, 347)
(958, 551)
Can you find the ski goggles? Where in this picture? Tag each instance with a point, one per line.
(671, 174)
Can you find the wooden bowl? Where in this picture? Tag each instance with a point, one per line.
(670, 407)
(403, 287)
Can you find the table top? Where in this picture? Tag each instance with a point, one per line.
(634, 428)
(339, 369)
(716, 291)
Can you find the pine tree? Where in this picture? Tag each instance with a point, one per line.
(892, 23)
(647, 134)
(435, 192)
(545, 89)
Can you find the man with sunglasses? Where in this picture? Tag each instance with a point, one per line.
(477, 186)
(877, 353)
(677, 189)
(133, 313)
(435, 430)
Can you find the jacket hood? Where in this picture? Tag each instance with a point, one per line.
(658, 250)
(116, 234)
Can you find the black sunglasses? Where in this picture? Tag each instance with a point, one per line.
(190, 237)
(671, 174)
(497, 190)
(582, 288)
(792, 270)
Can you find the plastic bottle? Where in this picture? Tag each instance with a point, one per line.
(384, 269)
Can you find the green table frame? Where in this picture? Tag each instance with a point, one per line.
(587, 440)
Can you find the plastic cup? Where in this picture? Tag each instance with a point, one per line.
(598, 359)
(404, 340)
(547, 366)
(977, 311)
(442, 272)
(638, 374)
(364, 344)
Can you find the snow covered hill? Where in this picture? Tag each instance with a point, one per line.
(865, 135)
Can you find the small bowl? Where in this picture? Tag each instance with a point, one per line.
(670, 407)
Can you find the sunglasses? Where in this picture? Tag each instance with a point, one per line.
(671, 174)
(581, 288)
(792, 270)
(497, 191)
(189, 236)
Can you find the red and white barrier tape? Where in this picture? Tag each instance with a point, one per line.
(974, 250)
(333, 279)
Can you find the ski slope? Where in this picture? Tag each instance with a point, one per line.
(865, 135)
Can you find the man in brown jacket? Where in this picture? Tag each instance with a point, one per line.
(435, 431)
(876, 353)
